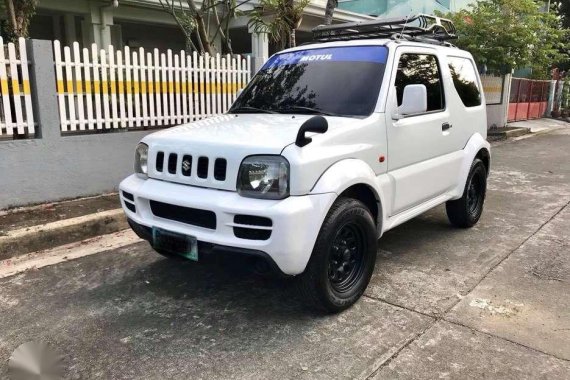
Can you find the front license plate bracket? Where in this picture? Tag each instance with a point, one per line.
(175, 243)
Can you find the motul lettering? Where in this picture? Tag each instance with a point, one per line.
(319, 57)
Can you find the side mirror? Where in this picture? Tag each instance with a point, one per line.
(414, 100)
(317, 124)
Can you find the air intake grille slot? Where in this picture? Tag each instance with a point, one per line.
(220, 169)
(192, 216)
(253, 220)
(172, 163)
(251, 233)
(203, 167)
(130, 206)
(159, 161)
(128, 196)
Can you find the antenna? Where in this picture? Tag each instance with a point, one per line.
(406, 23)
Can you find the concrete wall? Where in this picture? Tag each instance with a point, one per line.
(497, 114)
(53, 167)
(40, 170)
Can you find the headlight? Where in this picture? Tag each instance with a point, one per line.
(141, 160)
(264, 177)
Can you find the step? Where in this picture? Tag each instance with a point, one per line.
(46, 226)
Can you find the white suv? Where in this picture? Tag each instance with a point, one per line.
(329, 146)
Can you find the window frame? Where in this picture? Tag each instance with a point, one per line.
(477, 81)
(436, 55)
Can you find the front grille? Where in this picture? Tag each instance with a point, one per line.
(172, 159)
(203, 167)
(220, 169)
(186, 165)
(192, 216)
(128, 198)
(251, 233)
(159, 161)
(131, 206)
(248, 229)
(253, 220)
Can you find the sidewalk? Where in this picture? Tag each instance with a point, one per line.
(540, 125)
(525, 129)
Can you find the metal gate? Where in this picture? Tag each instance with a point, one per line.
(528, 99)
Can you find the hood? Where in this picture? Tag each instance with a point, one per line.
(211, 150)
(257, 133)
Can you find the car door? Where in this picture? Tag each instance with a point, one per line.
(423, 161)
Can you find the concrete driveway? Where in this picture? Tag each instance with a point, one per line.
(491, 302)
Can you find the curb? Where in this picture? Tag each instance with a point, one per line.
(30, 239)
(508, 133)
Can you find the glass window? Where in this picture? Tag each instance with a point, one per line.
(465, 80)
(421, 69)
(343, 81)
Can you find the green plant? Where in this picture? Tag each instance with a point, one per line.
(279, 19)
(507, 34)
(197, 22)
(18, 15)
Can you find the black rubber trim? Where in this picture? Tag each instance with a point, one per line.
(188, 215)
(210, 249)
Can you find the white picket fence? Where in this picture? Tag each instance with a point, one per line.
(16, 114)
(104, 89)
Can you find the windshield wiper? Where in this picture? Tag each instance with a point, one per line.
(309, 110)
(251, 109)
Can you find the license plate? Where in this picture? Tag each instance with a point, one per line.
(172, 242)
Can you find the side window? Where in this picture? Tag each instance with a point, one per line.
(465, 81)
(421, 69)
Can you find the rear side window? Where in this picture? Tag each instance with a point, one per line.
(421, 69)
(465, 80)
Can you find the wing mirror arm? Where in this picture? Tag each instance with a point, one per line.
(316, 124)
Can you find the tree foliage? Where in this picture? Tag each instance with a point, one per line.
(562, 8)
(506, 34)
(203, 25)
(279, 19)
(18, 16)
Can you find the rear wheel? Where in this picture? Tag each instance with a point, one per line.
(466, 211)
(343, 258)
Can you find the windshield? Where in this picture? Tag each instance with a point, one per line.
(340, 81)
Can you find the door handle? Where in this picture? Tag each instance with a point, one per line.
(446, 126)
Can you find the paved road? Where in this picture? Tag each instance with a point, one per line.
(491, 302)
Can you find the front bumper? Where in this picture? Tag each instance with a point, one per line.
(296, 220)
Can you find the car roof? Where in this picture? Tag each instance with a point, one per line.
(376, 42)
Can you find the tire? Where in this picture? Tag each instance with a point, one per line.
(343, 258)
(466, 211)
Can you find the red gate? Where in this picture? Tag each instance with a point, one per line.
(528, 99)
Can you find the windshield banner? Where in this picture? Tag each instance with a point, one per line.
(373, 54)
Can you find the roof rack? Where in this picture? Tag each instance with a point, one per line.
(421, 27)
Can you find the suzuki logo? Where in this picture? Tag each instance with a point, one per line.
(186, 165)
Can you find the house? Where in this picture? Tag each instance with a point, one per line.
(399, 8)
(144, 23)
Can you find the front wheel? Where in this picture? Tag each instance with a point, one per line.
(343, 258)
(466, 211)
